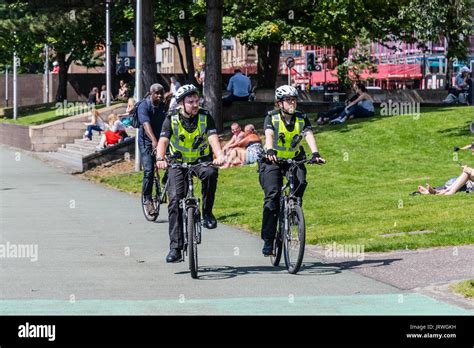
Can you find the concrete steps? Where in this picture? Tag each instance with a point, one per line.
(82, 155)
(73, 152)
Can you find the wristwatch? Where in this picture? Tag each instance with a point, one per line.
(160, 159)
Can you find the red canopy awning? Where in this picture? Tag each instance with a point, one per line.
(385, 72)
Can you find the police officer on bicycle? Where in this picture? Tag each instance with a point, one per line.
(284, 128)
(191, 135)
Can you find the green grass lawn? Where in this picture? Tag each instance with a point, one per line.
(51, 114)
(465, 288)
(363, 190)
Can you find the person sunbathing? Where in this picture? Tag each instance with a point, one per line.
(464, 182)
(245, 151)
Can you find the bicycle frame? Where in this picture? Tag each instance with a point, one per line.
(161, 191)
(288, 189)
(190, 201)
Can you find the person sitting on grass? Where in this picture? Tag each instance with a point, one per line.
(464, 182)
(363, 106)
(126, 117)
(115, 134)
(334, 112)
(96, 124)
(237, 135)
(246, 151)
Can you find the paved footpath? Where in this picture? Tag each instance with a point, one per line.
(96, 254)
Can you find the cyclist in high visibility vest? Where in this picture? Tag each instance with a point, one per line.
(190, 131)
(284, 128)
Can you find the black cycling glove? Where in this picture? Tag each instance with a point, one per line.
(315, 157)
(271, 152)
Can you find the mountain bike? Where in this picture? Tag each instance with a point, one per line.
(290, 236)
(191, 216)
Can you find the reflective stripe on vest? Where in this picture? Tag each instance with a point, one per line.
(186, 146)
(284, 149)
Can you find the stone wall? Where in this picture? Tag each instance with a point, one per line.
(50, 136)
(402, 95)
(15, 135)
(242, 110)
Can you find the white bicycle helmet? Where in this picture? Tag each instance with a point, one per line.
(185, 90)
(285, 91)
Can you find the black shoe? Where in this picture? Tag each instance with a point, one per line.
(209, 221)
(174, 256)
(267, 248)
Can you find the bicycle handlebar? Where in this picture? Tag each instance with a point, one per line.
(188, 165)
(292, 161)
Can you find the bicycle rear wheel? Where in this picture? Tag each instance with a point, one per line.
(192, 242)
(156, 199)
(294, 240)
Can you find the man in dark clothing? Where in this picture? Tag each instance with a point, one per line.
(180, 130)
(151, 114)
(285, 127)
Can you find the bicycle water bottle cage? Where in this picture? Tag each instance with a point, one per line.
(281, 136)
(296, 140)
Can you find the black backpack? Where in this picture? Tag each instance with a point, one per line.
(135, 122)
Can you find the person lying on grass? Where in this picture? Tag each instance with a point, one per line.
(464, 182)
(469, 146)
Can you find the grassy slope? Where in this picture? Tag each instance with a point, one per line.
(52, 114)
(357, 198)
(465, 288)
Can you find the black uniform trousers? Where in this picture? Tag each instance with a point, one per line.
(178, 188)
(271, 180)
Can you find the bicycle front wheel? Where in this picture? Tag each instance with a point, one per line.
(294, 240)
(192, 241)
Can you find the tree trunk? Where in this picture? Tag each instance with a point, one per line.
(262, 63)
(180, 54)
(449, 73)
(188, 46)
(61, 93)
(149, 58)
(113, 54)
(268, 64)
(274, 59)
(213, 68)
(341, 53)
(450, 64)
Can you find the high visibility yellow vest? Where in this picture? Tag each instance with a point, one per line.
(283, 137)
(182, 140)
